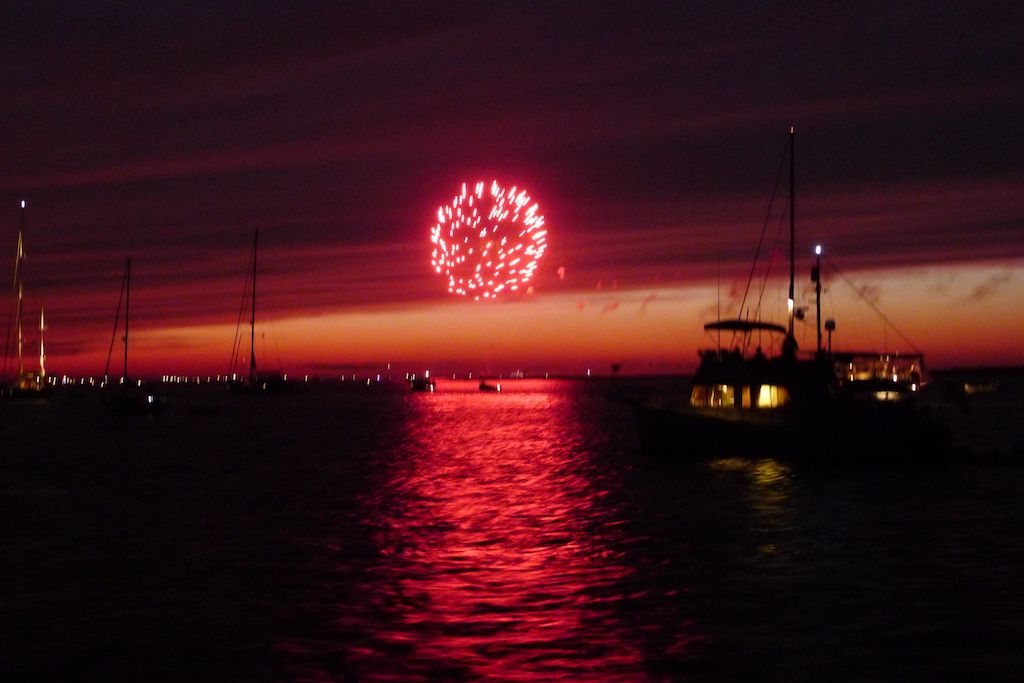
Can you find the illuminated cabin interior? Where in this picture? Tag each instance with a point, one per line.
(724, 396)
(729, 378)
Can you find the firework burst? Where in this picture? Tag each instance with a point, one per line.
(488, 240)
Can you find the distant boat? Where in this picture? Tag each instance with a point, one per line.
(255, 381)
(989, 387)
(425, 383)
(124, 394)
(27, 384)
(484, 386)
(818, 407)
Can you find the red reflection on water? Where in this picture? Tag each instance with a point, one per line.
(503, 551)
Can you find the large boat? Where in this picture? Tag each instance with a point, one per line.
(124, 394)
(255, 381)
(27, 383)
(755, 394)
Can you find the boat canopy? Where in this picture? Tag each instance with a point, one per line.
(745, 326)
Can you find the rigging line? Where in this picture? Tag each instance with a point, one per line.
(874, 308)
(277, 343)
(236, 348)
(8, 360)
(764, 227)
(15, 305)
(771, 260)
(117, 321)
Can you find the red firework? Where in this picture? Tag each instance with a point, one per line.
(488, 241)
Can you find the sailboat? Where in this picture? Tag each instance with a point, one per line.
(254, 381)
(125, 395)
(28, 384)
(821, 406)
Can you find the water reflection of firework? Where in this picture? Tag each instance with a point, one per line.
(488, 240)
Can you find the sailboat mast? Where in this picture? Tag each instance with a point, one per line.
(42, 349)
(127, 307)
(792, 232)
(816, 275)
(19, 326)
(252, 320)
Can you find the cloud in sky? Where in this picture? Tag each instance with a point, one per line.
(992, 284)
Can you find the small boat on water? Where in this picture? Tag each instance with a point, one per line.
(484, 386)
(255, 381)
(990, 387)
(424, 383)
(125, 395)
(757, 395)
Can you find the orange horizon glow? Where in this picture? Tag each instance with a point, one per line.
(959, 316)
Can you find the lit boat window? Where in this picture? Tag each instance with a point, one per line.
(772, 396)
(723, 395)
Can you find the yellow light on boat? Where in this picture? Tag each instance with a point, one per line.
(772, 396)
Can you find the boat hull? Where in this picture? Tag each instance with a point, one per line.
(262, 384)
(133, 400)
(869, 433)
(421, 384)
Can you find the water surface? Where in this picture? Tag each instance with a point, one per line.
(350, 533)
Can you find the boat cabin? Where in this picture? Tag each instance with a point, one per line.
(882, 377)
(732, 378)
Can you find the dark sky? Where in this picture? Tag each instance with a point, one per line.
(650, 133)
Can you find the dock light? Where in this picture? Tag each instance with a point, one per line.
(817, 250)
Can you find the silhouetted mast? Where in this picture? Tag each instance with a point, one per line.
(127, 307)
(789, 346)
(252, 320)
(816, 276)
(42, 349)
(792, 233)
(19, 289)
